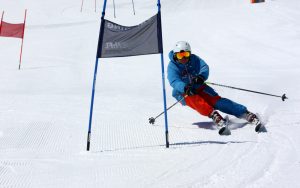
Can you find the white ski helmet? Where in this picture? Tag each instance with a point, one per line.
(181, 46)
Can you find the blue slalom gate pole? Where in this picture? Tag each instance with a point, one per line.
(165, 101)
(92, 106)
(95, 78)
(163, 74)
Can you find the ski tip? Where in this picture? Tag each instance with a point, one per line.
(260, 129)
(224, 131)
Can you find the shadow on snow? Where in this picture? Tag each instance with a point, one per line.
(233, 124)
(193, 143)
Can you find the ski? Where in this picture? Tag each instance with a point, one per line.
(232, 123)
(260, 128)
(225, 131)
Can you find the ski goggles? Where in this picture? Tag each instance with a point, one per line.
(180, 55)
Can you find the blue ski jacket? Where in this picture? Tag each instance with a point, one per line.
(179, 75)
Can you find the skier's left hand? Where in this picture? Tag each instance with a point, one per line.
(198, 80)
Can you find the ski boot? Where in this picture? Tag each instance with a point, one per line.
(253, 119)
(220, 122)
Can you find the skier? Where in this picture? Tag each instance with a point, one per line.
(187, 74)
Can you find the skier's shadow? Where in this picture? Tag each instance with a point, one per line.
(233, 124)
(197, 143)
(176, 144)
(206, 125)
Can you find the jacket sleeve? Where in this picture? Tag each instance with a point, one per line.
(204, 69)
(175, 79)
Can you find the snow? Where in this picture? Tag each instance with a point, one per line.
(45, 106)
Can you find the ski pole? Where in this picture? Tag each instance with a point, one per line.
(152, 119)
(283, 97)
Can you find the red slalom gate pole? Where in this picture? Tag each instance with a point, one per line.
(1, 21)
(81, 6)
(22, 39)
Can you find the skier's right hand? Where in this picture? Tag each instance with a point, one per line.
(189, 90)
(198, 80)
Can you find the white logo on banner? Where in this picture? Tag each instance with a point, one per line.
(115, 45)
(116, 27)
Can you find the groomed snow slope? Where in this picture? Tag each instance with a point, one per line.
(44, 107)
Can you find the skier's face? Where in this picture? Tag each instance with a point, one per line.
(183, 60)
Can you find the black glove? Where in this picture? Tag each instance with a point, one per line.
(189, 90)
(198, 80)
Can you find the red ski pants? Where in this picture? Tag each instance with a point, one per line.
(202, 102)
